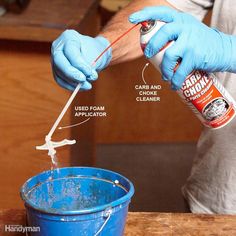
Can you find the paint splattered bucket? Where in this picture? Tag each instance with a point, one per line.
(79, 201)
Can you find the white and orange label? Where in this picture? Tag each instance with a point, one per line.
(208, 99)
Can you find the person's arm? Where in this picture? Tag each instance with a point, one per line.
(127, 48)
(73, 54)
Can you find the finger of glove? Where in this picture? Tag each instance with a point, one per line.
(185, 68)
(59, 74)
(168, 65)
(171, 57)
(167, 33)
(57, 45)
(65, 70)
(84, 86)
(164, 78)
(161, 13)
(64, 84)
(76, 59)
(93, 76)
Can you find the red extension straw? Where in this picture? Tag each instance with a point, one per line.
(114, 42)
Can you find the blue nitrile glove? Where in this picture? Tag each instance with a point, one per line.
(72, 58)
(199, 46)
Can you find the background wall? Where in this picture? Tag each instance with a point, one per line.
(129, 121)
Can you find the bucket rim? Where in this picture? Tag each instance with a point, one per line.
(126, 198)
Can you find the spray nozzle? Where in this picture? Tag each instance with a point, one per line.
(145, 24)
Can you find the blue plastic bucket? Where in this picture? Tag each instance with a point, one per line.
(78, 201)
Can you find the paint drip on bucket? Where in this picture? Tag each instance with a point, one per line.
(201, 91)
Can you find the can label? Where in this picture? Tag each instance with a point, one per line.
(208, 99)
(201, 91)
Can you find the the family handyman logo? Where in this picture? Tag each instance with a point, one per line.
(21, 229)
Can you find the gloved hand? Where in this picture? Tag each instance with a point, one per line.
(197, 45)
(72, 57)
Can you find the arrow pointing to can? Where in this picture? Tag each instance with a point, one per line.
(144, 68)
(70, 126)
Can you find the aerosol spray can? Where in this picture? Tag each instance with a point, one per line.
(201, 91)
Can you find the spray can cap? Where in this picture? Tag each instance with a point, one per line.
(145, 24)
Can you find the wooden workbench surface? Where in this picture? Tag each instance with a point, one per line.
(44, 20)
(148, 224)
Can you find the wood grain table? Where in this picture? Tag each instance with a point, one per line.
(148, 224)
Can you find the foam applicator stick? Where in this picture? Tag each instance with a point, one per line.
(64, 110)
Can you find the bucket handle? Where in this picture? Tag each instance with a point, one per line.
(107, 215)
